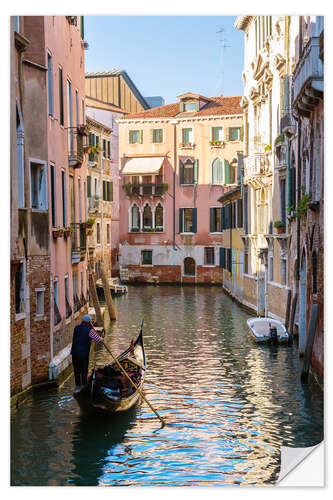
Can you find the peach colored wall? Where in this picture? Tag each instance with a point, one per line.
(202, 196)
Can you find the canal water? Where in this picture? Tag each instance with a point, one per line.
(229, 404)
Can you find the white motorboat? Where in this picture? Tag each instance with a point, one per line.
(116, 287)
(268, 330)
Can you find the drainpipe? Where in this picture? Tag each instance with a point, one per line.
(288, 111)
(102, 202)
(174, 122)
(298, 195)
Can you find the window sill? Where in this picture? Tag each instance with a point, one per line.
(209, 265)
(186, 234)
(147, 265)
(194, 184)
(20, 316)
(251, 276)
(216, 232)
(39, 210)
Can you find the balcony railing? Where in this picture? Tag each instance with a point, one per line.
(145, 189)
(76, 149)
(288, 124)
(309, 70)
(79, 242)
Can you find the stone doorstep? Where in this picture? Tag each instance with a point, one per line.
(60, 362)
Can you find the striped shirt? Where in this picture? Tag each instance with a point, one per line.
(94, 336)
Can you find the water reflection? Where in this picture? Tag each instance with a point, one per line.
(229, 404)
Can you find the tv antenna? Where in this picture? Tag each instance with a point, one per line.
(224, 46)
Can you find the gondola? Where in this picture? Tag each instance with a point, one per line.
(108, 390)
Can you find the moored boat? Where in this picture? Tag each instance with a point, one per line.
(268, 331)
(115, 285)
(108, 390)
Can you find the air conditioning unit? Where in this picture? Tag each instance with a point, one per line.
(84, 44)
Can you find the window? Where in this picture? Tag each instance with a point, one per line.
(283, 271)
(57, 315)
(189, 266)
(189, 172)
(69, 116)
(283, 200)
(64, 205)
(77, 108)
(217, 171)
(40, 302)
(68, 306)
(271, 268)
(209, 256)
(61, 98)
(38, 186)
(19, 288)
(187, 136)
(314, 266)
(79, 197)
(135, 218)
(135, 136)
(215, 220)
(159, 217)
(187, 220)
(191, 106)
(239, 213)
(107, 191)
(104, 148)
(108, 234)
(246, 213)
(235, 134)
(229, 259)
(50, 83)
(98, 232)
(222, 257)
(146, 257)
(147, 217)
(157, 135)
(53, 196)
(109, 150)
(217, 134)
(233, 171)
(246, 262)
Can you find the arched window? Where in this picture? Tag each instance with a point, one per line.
(159, 218)
(314, 272)
(189, 266)
(217, 171)
(135, 218)
(147, 217)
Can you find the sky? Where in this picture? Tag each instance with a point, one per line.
(168, 55)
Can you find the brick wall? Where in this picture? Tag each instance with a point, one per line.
(173, 274)
(277, 300)
(250, 291)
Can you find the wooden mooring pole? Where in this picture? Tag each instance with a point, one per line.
(93, 295)
(309, 342)
(107, 294)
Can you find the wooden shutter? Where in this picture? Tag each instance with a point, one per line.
(141, 136)
(222, 257)
(229, 134)
(226, 172)
(111, 191)
(181, 218)
(240, 213)
(227, 217)
(88, 186)
(212, 220)
(104, 190)
(181, 172)
(229, 259)
(241, 133)
(130, 137)
(197, 106)
(194, 220)
(195, 172)
(182, 107)
(223, 218)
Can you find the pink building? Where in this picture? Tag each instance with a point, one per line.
(57, 45)
(176, 161)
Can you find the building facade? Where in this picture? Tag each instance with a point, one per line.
(52, 189)
(100, 191)
(266, 277)
(107, 115)
(175, 161)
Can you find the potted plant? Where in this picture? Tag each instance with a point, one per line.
(90, 222)
(57, 232)
(279, 226)
(268, 149)
(84, 129)
(127, 187)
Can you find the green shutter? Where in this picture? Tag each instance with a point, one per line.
(82, 27)
(141, 136)
(197, 106)
(222, 218)
(195, 172)
(222, 257)
(212, 220)
(194, 220)
(182, 107)
(181, 172)
(104, 191)
(181, 220)
(88, 186)
(241, 133)
(130, 137)
(226, 172)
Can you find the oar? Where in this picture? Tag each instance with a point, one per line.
(133, 384)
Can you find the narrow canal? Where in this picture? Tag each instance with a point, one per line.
(229, 403)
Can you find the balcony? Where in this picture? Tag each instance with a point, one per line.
(79, 242)
(93, 204)
(308, 83)
(257, 167)
(92, 160)
(153, 189)
(76, 149)
(288, 125)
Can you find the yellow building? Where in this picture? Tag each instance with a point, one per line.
(232, 251)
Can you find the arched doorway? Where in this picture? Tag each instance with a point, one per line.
(189, 266)
(302, 306)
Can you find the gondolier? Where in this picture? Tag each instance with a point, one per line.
(83, 335)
